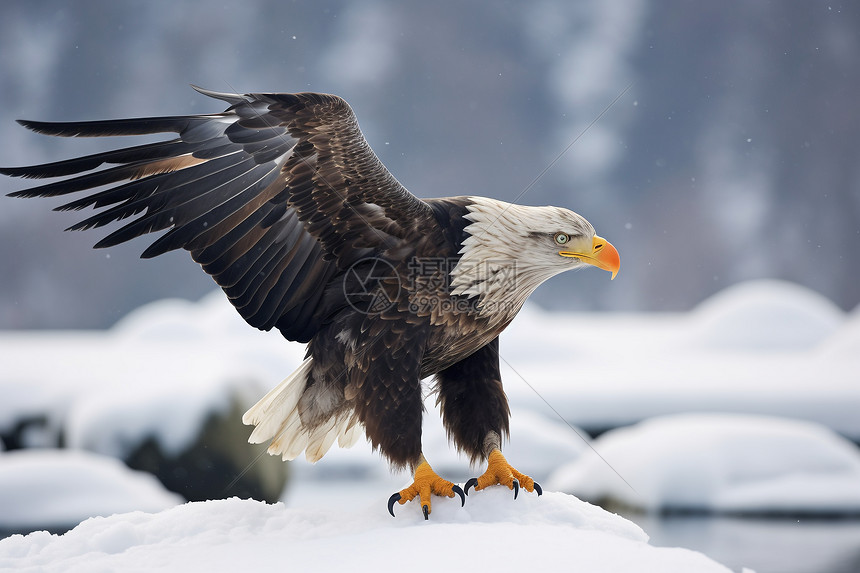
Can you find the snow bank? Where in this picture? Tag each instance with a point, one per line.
(844, 345)
(160, 372)
(165, 367)
(60, 488)
(766, 347)
(493, 532)
(720, 463)
(764, 315)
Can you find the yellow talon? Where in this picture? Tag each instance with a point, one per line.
(499, 471)
(426, 483)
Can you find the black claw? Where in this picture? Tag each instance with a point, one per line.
(459, 491)
(538, 489)
(471, 483)
(426, 510)
(516, 486)
(391, 501)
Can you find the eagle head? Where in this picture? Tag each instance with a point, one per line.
(509, 250)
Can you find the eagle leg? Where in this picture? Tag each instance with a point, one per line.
(426, 483)
(499, 471)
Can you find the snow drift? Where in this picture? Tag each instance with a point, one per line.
(58, 489)
(493, 532)
(720, 463)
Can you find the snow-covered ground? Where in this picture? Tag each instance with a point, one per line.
(766, 348)
(726, 463)
(158, 372)
(553, 533)
(60, 488)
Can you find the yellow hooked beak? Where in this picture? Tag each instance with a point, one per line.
(603, 256)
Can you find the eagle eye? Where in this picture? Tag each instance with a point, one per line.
(562, 238)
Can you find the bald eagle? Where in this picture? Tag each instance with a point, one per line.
(282, 201)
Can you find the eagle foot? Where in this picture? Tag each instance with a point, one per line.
(426, 483)
(500, 472)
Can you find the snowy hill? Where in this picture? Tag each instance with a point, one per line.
(493, 532)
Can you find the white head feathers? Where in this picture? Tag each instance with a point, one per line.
(510, 251)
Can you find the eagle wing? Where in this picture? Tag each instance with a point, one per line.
(273, 197)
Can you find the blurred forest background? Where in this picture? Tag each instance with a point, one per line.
(735, 155)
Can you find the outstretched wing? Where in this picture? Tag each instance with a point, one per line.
(273, 197)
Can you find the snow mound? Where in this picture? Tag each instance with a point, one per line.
(720, 463)
(765, 315)
(59, 488)
(117, 419)
(178, 320)
(554, 532)
(845, 343)
(160, 372)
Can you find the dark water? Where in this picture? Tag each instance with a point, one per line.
(765, 545)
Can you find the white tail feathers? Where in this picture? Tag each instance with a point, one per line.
(276, 417)
(271, 413)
